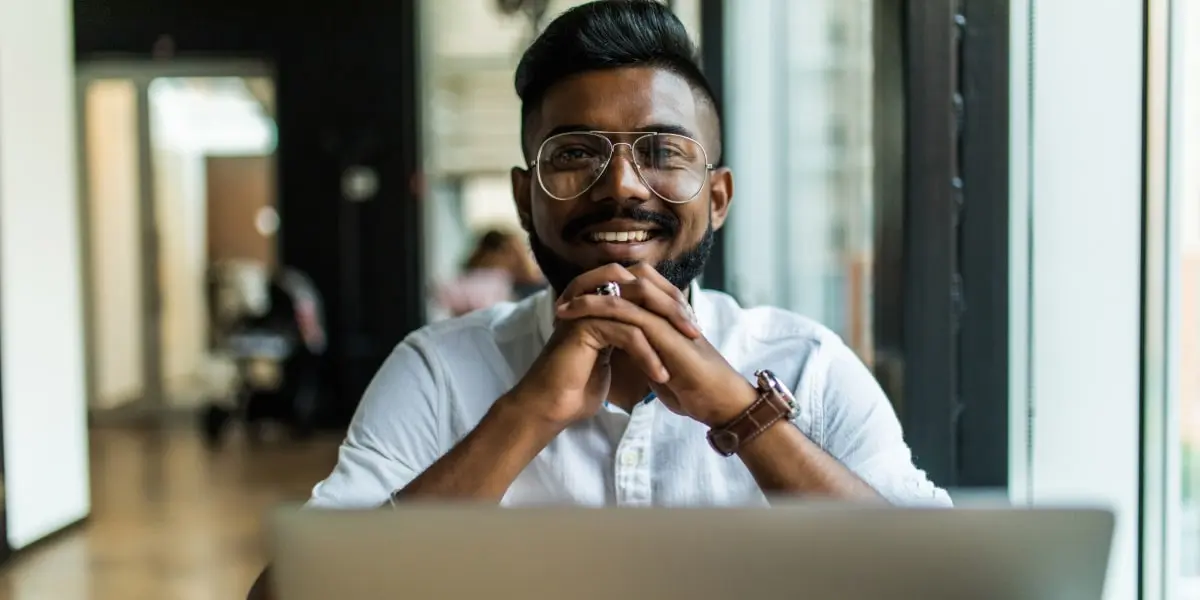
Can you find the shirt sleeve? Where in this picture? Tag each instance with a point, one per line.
(862, 431)
(392, 438)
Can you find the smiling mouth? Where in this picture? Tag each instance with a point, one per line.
(620, 237)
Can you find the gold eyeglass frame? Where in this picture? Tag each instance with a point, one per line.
(641, 135)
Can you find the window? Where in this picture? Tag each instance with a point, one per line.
(1184, 283)
(1171, 515)
(800, 87)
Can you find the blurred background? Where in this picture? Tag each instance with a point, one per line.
(218, 218)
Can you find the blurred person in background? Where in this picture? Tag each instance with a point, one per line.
(500, 269)
(625, 383)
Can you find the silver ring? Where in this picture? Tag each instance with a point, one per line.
(611, 288)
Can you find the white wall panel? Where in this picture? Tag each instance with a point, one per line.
(41, 313)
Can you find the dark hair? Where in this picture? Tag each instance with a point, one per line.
(607, 34)
(491, 242)
(493, 239)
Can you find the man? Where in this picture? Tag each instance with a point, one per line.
(625, 384)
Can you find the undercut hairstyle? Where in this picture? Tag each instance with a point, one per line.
(610, 34)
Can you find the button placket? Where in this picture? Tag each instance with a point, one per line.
(633, 459)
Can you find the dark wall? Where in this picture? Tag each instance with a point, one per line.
(346, 94)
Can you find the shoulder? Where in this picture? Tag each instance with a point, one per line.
(464, 353)
(493, 325)
(473, 341)
(766, 324)
(810, 357)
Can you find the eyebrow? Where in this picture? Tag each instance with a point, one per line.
(652, 128)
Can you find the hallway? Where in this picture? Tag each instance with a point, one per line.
(170, 519)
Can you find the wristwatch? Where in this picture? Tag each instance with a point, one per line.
(775, 402)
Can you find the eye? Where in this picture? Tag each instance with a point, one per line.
(572, 157)
(572, 154)
(666, 152)
(662, 155)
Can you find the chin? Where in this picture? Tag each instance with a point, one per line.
(582, 256)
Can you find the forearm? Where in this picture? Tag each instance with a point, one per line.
(786, 462)
(486, 462)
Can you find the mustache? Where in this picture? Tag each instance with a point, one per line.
(666, 222)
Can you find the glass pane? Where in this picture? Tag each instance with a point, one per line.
(1186, 195)
(799, 118)
(829, 166)
(799, 112)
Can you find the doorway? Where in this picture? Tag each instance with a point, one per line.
(179, 206)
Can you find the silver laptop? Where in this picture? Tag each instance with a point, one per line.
(450, 552)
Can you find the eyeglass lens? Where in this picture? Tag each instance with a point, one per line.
(673, 166)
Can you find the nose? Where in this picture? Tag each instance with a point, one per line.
(621, 181)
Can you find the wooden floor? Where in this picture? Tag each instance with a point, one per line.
(171, 520)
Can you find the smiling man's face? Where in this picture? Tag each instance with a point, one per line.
(620, 219)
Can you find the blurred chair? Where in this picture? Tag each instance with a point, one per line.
(278, 355)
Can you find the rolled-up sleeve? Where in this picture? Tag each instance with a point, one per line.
(393, 437)
(862, 431)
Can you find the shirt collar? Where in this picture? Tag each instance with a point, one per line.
(700, 305)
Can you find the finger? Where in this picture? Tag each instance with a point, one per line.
(632, 341)
(588, 282)
(654, 299)
(646, 271)
(656, 294)
(662, 335)
(649, 274)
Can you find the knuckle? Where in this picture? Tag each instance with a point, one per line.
(591, 328)
(624, 334)
(617, 336)
(638, 336)
(613, 271)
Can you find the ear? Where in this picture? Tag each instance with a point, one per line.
(720, 195)
(522, 179)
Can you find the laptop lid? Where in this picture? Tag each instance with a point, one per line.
(792, 551)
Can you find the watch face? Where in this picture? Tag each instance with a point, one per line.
(768, 381)
(724, 441)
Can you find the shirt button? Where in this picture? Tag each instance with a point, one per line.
(629, 459)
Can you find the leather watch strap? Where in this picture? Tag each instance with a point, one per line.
(774, 403)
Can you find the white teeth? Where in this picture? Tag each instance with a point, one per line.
(619, 236)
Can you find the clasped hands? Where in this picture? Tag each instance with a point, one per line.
(652, 323)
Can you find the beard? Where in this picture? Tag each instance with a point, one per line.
(680, 271)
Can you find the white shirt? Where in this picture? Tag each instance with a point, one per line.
(440, 381)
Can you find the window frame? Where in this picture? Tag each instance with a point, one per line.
(1159, 570)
